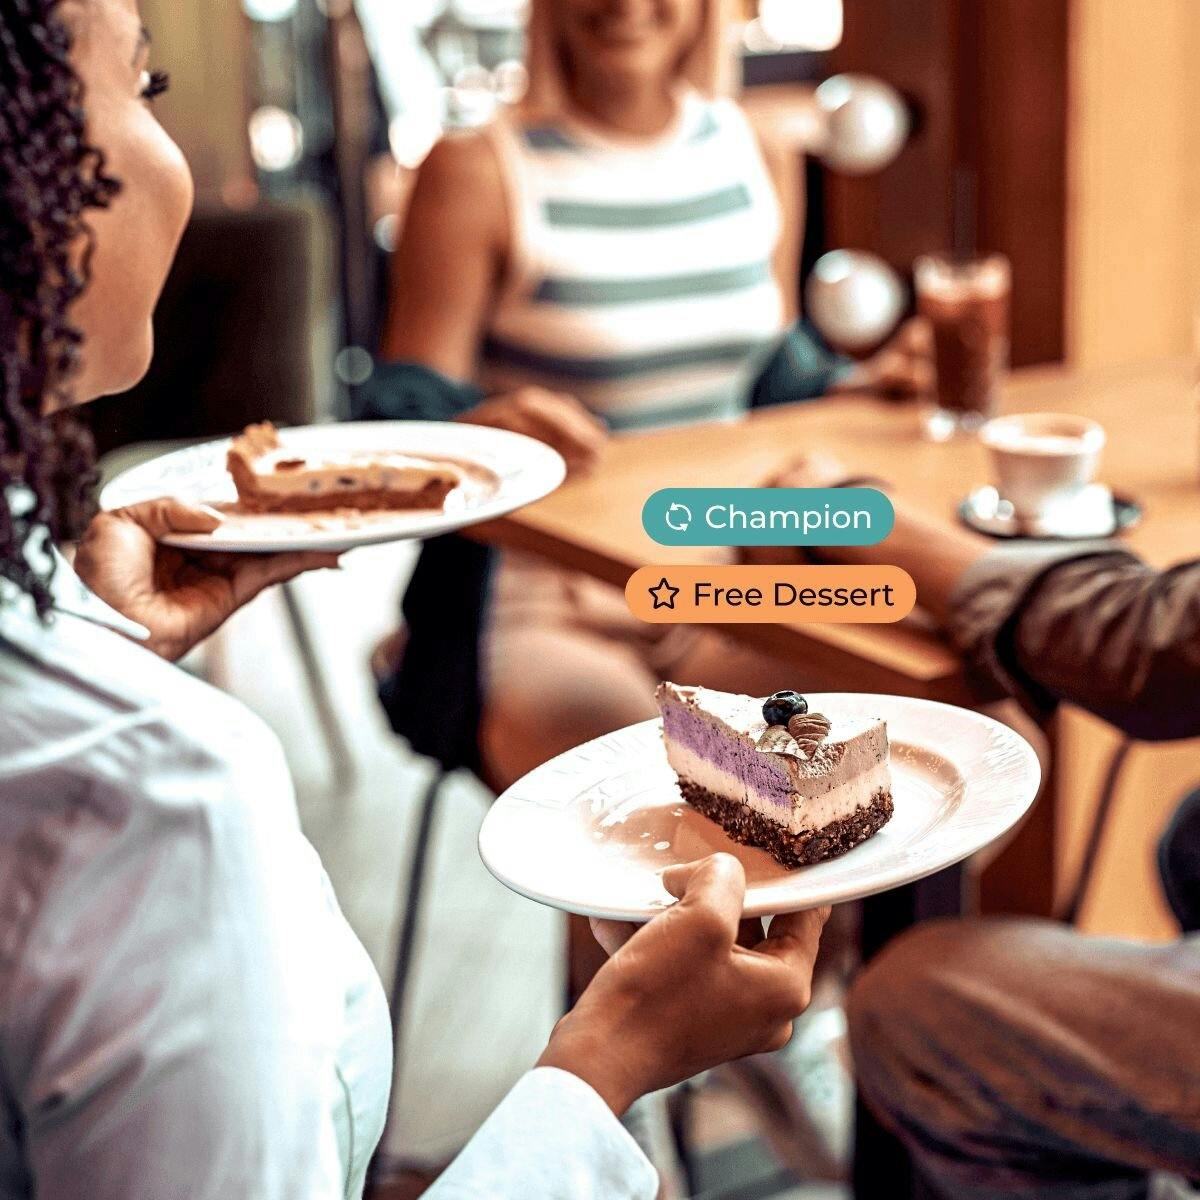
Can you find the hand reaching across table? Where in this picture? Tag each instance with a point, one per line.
(812, 469)
(555, 418)
(180, 596)
(936, 553)
(901, 369)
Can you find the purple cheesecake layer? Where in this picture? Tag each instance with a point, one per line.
(756, 771)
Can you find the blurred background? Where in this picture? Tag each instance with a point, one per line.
(1060, 133)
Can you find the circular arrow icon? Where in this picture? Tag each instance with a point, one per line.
(678, 517)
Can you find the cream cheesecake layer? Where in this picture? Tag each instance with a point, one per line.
(804, 813)
(284, 473)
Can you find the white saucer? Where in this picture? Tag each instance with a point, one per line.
(591, 831)
(505, 471)
(1095, 513)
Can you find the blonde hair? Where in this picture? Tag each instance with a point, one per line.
(707, 66)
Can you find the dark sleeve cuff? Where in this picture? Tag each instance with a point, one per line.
(409, 391)
(987, 607)
(802, 367)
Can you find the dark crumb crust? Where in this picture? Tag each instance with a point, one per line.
(750, 828)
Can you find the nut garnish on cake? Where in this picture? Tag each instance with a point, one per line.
(271, 477)
(803, 786)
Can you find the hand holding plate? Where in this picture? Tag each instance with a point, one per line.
(179, 596)
(682, 995)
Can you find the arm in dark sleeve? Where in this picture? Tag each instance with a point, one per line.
(802, 367)
(411, 391)
(1092, 625)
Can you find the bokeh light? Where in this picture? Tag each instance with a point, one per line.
(801, 24)
(269, 10)
(385, 232)
(411, 136)
(510, 80)
(353, 366)
(276, 138)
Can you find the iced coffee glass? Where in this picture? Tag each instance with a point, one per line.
(966, 303)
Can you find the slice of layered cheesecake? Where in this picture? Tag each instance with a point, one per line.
(272, 477)
(802, 786)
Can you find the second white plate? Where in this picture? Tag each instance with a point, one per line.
(511, 470)
(591, 831)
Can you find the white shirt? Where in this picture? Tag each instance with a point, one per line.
(184, 1012)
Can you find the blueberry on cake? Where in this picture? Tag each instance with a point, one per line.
(803, 786)
(271, 477)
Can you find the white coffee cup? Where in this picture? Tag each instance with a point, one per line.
(1042, 460)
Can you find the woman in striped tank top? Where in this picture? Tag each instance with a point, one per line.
(619, 253)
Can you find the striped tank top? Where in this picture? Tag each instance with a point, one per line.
(640, 278)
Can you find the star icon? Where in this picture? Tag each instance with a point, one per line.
(662, 600)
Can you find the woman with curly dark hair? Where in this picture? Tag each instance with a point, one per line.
(70, 265)
(183, 1009)
(45, 196)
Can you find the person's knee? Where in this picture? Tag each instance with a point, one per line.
(917, 999)
(573, 710)
(888, 999)
(550, 695)
(556, 682)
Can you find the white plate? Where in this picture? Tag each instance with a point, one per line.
(509, 471)
(591, 831)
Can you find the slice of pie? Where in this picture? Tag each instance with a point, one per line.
(271, 477)
(802, 786)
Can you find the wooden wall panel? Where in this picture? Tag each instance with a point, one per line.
(988, 82)
(1134, 246)
(906, 209)
(1020, 153)
(204, 47)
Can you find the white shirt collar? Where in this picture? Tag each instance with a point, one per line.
(70, 597)
(73, 598)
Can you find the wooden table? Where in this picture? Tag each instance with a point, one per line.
(594, 525)
(1153, 455)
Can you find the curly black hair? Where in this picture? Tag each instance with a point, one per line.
(49, 177)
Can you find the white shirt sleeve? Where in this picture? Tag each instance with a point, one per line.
(552, 1138)
(184, 1014)
(172, 1028)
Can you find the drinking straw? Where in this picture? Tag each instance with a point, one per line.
(965, 232)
